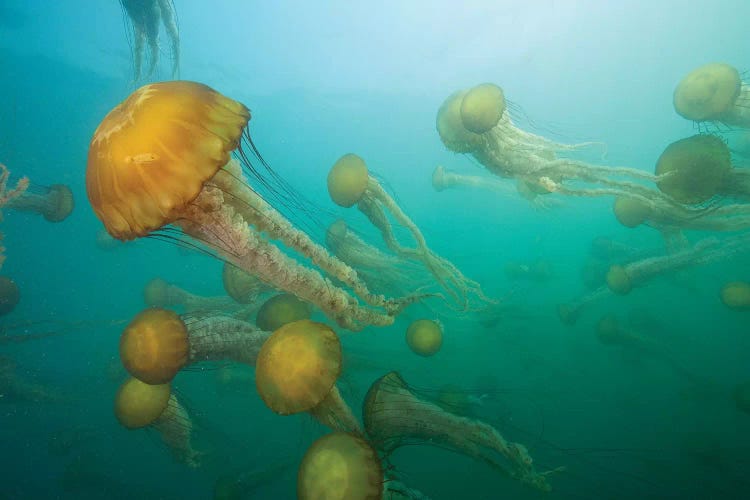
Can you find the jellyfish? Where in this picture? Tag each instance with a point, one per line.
(349, 183)
(394, 416)
(340, 466)
(139, 405)
(570, 312)
(244, 288)
(162, 157)
(736, 295)
(159, 293)
(9, 295)
(425, 337)
(7, 195)
(146, 16)
(477, 122)
(444, 179)
(296, 371)
(621, 279)
(714, 93)
(280, 310)
(380, 270)
(158, 343)
(54, 203)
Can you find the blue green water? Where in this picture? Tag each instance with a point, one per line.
(324, 80)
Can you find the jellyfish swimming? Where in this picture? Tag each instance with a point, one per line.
(281, 309)
(425, 337)
(158, 343)
(10, 295)
(297, 370)
(477, 122)
(394, 415)
(715, 93)
(736, 295)
(340, 466)
(139, 405)
(54, 203)
(621, 279)
(350, 183)
(146, 17)
(159, 293)
(159, 164)
(244, 288)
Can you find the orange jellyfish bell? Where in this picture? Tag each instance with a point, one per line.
(152, 153)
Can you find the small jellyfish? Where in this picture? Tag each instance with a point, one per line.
(736, 295)
(159, 293)
(425, 337)
(241, 286)
(54, 203)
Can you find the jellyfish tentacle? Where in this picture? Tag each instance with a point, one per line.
(169, 19)
(175, 427)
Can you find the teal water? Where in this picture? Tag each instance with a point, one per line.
(324, 80)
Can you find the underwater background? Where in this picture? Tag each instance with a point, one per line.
(325, 79)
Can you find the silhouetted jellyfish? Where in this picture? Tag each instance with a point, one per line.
(593, 273)
(9, 295)
(158, 343)
(477, 122)
(736, 295)
(281, 309)
(162, 157)
(714, 93)
(139, 405)
(159, 293)
(54, 203)
(621, 279)
(350, 183)
(146, 16)
(241, 286)
(296, 371)
(425, 337)
(395, 415)
(340, 466)
(741, 396)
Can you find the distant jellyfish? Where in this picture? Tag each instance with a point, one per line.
(159, 343)
(145, 17)
(340, 466)
(54, 203)
(297, 370)
(9, 295)
(159, 293)
(714, 93)
(241, 286)
(736, 295)
(281, 309)
(425, 337)
(139, 405)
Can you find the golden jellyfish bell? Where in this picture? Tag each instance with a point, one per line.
(280, 310)
(736, 295)
(151, 155)
(708, 92)
(424, 337)
(154, 346)
(242, 286)
(630, 212)
(138, 404)
(618, 280)
(482, 107)
(340, 466)
(455, 136)
(298, 366)
(347, 180)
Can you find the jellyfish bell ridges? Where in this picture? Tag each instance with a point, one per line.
(162, 157)
(424, 337)
(296, 371)
(340, 466)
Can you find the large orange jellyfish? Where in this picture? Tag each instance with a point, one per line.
(162, 157)
(146, 17)
(477, 122)
(350, 183)
(395, 415)
(139, 405)
(54, 203)
(158, 343)
(296, 371)
(714, 93)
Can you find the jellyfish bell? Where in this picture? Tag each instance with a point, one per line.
(10, 295)
(736, 295)
(630, 212)
(608, 330)
(63, 205)
(347, 180)
(698, 167)
(482, 107)
(138, 404)
(438, 178)
(425, 337)
(280, 310)
(155, 293)
(618, 280)
(154, 346)
(708, 93)
(455, 136)
(242, 286)
(340, 466)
